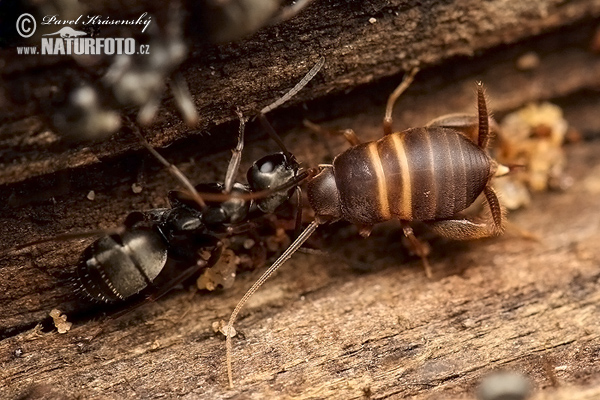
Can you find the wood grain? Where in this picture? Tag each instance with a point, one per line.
(321, 330)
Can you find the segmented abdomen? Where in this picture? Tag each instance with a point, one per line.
(416, 175)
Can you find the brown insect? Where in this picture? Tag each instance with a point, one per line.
(428, 174)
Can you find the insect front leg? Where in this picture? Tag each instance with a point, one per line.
(172, 168)
(417, 247)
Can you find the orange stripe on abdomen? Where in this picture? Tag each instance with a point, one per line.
(382, 192)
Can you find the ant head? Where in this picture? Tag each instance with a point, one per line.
(269, 172)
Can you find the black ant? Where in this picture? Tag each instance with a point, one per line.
(428, 174)
(125, 261)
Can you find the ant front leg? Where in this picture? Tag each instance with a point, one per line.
(236, 158)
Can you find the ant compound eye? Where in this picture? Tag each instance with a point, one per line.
(266, 167)
(270, 171)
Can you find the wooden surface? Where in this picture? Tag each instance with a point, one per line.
(320, 329)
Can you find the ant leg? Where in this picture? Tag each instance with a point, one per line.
(236, 158)
(473, 228)
(176, 172)
(417, 247)
(184, 100)
(348, 134)
(406, 81)
(467, 124)
(148, 110)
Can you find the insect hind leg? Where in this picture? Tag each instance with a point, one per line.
(469, 228)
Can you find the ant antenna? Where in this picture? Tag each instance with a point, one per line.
(280, 261)
(271, 131)
(301, 177)
(291, 93)
(311, 74)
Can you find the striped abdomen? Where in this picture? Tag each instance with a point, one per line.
(416, 175)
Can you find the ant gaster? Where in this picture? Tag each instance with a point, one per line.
(428, 174)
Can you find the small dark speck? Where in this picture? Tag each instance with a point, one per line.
(367, 393)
